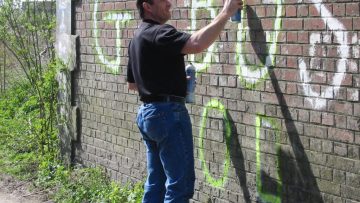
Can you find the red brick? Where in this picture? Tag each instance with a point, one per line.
(347, 23)
(356, 23)
(269, 98)
(318, 77)
(303, 10)
(182, 24)
(131, 5)
(353, 123)
(290, 11)
(86, 7)
(347, 78)
(328, 64)
(294, 101)
(357, 109)
(352, 66)
(352, 94)
(339, 9)
(184, 14)
(341, 94)
(268, 23)
(292, 62)
(303, 37)
(315, 64)
(291, 88)
(108, 6)
(291, 49)
(340, 121)
(291, 1)
(327, 119)
(290, 75)
(175, 14)
(270, 11)
(352, 9)
(303, 115)
(119, 5)
(313, 11)
(281, 37)
(253, 2)
(315, 117)
(260, 11)
(332, 51)
(269, 87)
(340, 107)
(292, 24)
(315, 131)
(229, 69)
(314, 24)
(341, 135)
(291, 37)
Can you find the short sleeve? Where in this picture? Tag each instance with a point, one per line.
(170, 39)
(130, 75)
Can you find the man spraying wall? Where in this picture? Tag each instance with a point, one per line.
(156, 70)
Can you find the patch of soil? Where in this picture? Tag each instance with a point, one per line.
(16, 191)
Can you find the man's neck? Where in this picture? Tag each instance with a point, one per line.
(154, 19)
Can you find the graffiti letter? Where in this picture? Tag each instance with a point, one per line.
(318, 100)
(251, 75)
(111, 65)
(263, 195)
(215, 104)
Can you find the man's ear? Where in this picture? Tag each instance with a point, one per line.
(146, 7)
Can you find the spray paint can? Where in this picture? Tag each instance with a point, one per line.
(190, 89)
(236, 17)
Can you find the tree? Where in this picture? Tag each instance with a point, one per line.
(27, 32)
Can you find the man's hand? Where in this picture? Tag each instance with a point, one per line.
(132, 86)
(203, 38)
(231, 6)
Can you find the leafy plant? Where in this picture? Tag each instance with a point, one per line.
(27, 33)
(28, 134)
(93, 185)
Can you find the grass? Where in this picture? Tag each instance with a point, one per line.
(21, 157)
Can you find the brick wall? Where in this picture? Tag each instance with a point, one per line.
(277, 112)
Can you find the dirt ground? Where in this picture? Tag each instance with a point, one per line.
(14, 191)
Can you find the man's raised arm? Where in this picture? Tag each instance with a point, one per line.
(203, 38)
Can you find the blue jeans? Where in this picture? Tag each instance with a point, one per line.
(166, 130)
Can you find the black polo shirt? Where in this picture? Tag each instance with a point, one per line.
(156, 63)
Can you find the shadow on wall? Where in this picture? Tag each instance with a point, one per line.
(299, 183)
(299, 178)
(237, 158)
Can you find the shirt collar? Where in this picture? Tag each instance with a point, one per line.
(151, 21)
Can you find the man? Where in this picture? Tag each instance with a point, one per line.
(156, 70)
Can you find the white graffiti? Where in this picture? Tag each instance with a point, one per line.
(195, 7)
(119, 18)
(250, 75)
(318, 99)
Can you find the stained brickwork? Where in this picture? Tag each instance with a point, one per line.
(277, 111)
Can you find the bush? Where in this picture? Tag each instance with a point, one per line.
(29, 144)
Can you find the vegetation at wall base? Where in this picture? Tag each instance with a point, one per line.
(29, 143)
(20, 156)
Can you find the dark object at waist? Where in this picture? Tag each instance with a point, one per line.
(163, 98)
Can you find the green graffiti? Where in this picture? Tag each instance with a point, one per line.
(251, 75)
(120, 20)
(219, 183)
(265, 196)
